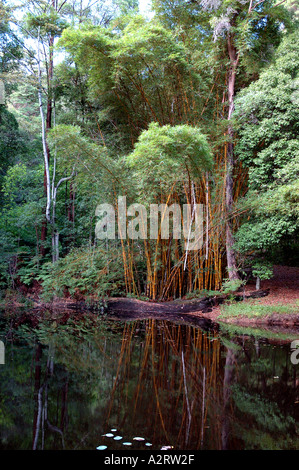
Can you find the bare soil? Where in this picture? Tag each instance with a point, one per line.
(283, 288)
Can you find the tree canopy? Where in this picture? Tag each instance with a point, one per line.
(197, 104)
(267, 113)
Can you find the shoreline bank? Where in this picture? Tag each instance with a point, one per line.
(204, 310)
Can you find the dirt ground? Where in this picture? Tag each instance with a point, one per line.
(284, 286)
(283, 289)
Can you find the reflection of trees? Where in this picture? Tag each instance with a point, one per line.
(56, 383)
(173, 384)
(227, 388)
(76, 359)
(41, 419)
(176, 397)
(265, 398)
(190, 398)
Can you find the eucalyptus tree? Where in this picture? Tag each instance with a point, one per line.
(42, 23)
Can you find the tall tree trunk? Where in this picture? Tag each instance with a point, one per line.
(48, 125)
(44, 229)
(71, 214)
(47, 187)
(55, 233)
(230, 253)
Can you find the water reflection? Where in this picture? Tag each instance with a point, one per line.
(64, 386)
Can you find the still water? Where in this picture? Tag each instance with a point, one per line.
(95, 382)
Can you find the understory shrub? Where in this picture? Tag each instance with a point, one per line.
(83, 273)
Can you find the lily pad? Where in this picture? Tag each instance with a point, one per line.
(108, 434)
(127, 443)
(101, 447)
(138, 439)
(117, 438)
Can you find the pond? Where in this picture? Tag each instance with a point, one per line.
(94, 382)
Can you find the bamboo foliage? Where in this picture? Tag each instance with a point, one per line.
(147, 77)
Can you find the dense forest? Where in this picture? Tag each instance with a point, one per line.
(194, 103)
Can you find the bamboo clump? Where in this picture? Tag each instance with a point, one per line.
(169, 272)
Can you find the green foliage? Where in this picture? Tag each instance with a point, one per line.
(49, 23)
(136, 70)
(265, 422)
(267, 113)
(138, 112)
(29, 270)
(20, 220)
(11, 140)
(72, 150)
(24, 107)
(252, 309)
(229, 286)
(83, 272)
(262, 270)
(11, 51)
(200, 294)
(167, 155)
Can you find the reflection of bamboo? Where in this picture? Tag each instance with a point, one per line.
(201, 342)
(124, 345)
(187, 400)
(203, 405)
(198, 358)
(155, 385)
(141, 373)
